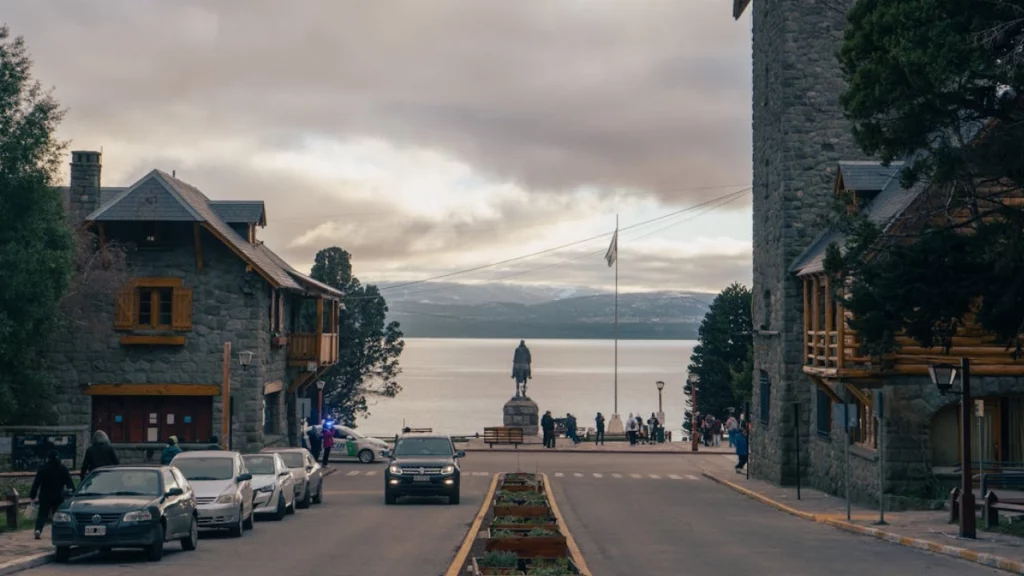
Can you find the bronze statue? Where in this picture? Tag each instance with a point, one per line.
(521, 368)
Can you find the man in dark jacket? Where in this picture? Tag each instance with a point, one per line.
(48, 488)
(101, 453)
(547, 424)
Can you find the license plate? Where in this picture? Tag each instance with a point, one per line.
(421, 478)
(95, 530)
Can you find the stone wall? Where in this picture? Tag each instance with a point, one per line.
(799, 135)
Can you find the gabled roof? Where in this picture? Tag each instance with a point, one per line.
(159, 196)
(867, 176)
(315, 285)
(241, 211)
(883, 210)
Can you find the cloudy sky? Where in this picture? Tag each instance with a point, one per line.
(429, 136)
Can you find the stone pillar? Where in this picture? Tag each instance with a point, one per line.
(615, 425)
(523, 413)
(84, 192)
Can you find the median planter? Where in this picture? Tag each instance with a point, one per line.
(497, 563)
(550, 567)
(519, 522)
(528, 543)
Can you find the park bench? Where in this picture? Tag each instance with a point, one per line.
(503, 435)
(993, 507)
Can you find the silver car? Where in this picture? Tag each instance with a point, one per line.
(273, 484)
(309, 479)
(223, 489)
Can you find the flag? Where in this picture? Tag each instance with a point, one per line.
(613, 249)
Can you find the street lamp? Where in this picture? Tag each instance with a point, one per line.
(693, 380)
(661, 386)
(943, 376)
(245, 358)
(661, 412)
(320, 400)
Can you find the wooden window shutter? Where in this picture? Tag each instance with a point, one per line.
(124, 308)
(181, 316)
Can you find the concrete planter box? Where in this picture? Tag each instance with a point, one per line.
(553, 546)
(522, 487)
(525, 563)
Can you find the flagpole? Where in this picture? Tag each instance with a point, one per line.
(616, 315)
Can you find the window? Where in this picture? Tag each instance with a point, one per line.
(765, 389)
(137, 419)
(824, 414)
(766, 307)
(206, 468)
(153, 303)
(169, 481)
(864, 435)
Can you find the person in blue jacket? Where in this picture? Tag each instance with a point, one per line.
(741, 450)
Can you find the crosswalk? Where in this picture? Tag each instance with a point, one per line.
(566, 475)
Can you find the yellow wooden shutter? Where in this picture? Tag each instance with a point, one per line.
(124, 308)
(181, 310)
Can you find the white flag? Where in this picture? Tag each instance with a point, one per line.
(613, 249)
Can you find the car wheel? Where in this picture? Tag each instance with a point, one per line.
(320, 492)
(62, 555)
(281, 508)
(155, 551)
(306, 498)
(366, 456)
(250, 521)
(291, 507)
(453, 498)
(390, 497)
(191, 542)
(239, 527)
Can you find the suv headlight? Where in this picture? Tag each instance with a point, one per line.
(138, 516)
(61, 517)
(267, 488)
(395, 469)
(229, 498)
(449, 469)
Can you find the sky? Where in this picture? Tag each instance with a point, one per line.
(427, 137)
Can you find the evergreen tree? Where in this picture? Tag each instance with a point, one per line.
(369, 346)
(36, 244)
(724, 350)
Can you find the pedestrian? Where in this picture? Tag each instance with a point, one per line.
(653, 425)
(731, 425)
(328, 441)
(599, 422)
(170, 451)
(547, 426)
(99, 454)
(641, 432)
(570, 427)
(48, 489)
(631, 429)
(716, 432)
(741, 451)
(315, 443)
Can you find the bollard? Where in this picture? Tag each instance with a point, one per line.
(991, 514)
(954, 505)
(12, 509)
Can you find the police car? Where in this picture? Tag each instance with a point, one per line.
(352, 444)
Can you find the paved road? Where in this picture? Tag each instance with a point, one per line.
(351, 534)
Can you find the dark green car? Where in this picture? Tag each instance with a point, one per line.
(127, 507)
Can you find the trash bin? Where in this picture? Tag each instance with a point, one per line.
(661, 435)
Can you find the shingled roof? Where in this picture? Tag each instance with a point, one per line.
(241, 211)
(867, 176)
(174, 200)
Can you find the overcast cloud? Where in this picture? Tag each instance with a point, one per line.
(426, 136)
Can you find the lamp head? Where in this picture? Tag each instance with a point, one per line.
(245, 358)
(320, 384)
(943, 376)
(660, 384)
(692, 378)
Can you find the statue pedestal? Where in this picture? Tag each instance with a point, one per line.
(522, 413)
(615, 425)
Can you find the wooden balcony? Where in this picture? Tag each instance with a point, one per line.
(306, 348)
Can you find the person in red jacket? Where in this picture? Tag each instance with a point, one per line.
(328, 434)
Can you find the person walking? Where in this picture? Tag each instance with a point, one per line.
(631, 429)
(741, 450)
(731, 425)
(100, 453)
(328, 442)
(599, 423)
(170, 451)
(547, 426)
(570, 428)
(48, 489)
(315, 442)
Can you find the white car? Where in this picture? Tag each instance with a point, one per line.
(272, 483)
(348, 442)
(223, 489)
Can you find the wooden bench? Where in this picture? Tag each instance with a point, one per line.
(503, 435)
(993, 506)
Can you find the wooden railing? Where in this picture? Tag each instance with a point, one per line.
(319, 348)
(824, 349)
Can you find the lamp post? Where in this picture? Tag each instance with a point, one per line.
(661, 412)
(943, 376)
(320, 400)
(693, 380)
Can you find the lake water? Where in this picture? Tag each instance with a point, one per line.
(458, 386)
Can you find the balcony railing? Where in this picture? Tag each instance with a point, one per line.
(319, 348)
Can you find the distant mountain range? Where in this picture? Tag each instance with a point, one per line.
(450, 310)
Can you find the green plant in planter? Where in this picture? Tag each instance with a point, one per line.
(503, 534)
(557, 567)
(541, 532)
(499, 559)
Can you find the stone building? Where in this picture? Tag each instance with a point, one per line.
(154, 363)
(806, 360)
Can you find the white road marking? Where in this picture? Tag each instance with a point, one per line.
(674, 477)
(635, 476)
(371, 473)
(691, 477)
(559, 474)
(481, 473)
(353, 473)
(577, 474)
(655, 476)
(616, 475)
(596, 475)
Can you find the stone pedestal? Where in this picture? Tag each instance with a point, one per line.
(615, 425)
(522, 413)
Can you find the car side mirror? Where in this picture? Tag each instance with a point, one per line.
(245, 476)
(284, 474)
(460, 454)
(386, 453)
(174, 492)
(67, 493)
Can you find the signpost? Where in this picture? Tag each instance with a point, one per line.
(879, 415)
(979, 413)
(847, 414)
(796, 422)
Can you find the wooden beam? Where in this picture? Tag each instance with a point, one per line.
(300, 381)
(841, 335)
(826, 388)
(319, 315)
(939, 359)
(271, 387)
(196, 231)
(152, 390)
(241, 255)
(807, 317)
(957, 352)
(862, 397)
(979, 370)
(145, 340)
(157, 282)
(829, 318)
(815, 327)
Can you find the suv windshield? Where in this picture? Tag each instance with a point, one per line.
(206, 468)
(292, 459)
(424, 447)
(121, 483)
(259, 464)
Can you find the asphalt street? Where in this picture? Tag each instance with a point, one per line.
(629, 513)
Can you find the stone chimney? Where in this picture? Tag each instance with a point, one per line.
(84, 194)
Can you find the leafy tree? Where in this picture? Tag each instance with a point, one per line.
(725, 347)
(369, 346)
(937, 83)
(36, 245)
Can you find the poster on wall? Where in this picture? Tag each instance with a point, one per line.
(28, 452)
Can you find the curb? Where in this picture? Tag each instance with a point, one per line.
(34, 561)
(570, 451)
(984, 559)
(462, 555)
(574, 550)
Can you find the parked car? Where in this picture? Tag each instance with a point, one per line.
(127, 507)
(306, 472)
(273, 484)
(350, 443)
(223, 489)
(423, 465)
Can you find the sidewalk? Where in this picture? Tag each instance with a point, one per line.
(19, 551)
(925, 530)
(566, 445)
